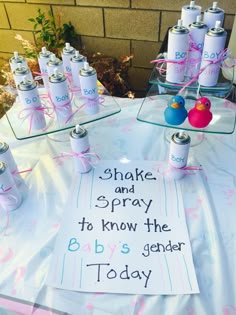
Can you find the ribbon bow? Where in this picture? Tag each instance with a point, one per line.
(84, 157)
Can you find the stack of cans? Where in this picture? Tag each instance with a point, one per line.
(195, 48)
(10, 196)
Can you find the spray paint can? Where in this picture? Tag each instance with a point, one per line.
(60, 97)
(177, 53)
(43, 59)
(179, 149)
(213, 14)
(10, 197)
(67, 52)
(197, 35)
(76, 64)
(29, 98)
(189, 13)
(54, 63)
(20, 72)
(7, 157)
(80, 145)
(214, 44)
(89, 88)
(15, 60)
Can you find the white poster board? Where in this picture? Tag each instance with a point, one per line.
(124, 231)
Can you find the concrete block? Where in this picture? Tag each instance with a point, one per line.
(138, 79)
(104, 3)
(132, 24)
(3, 20)
(110, 47)
(19, 14)
(144, 52)
(8, 43)
(87, 21)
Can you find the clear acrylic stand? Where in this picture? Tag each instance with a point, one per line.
(107, 106)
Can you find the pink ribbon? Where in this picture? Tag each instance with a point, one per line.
(90, 102)
(5, 194)
(30, 112)
(192, 45)
(14, 173)
(60, 108)
(84, 157)
(185, 170)
(223, 55)
(163, 61)
(11, 198)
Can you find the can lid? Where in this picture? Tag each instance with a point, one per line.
(78, 132)
(198, 23)
(68, 49)
(20, 70)
(217, 30)
(57, 76)
(3, 147)
(44, 53)
(179, 28)
(181, 137)
(87, 70)
(54, 61)
(3, 167)
(26, 84)
(191, 6)
(16, 58)
(77, 57)
(214, 9)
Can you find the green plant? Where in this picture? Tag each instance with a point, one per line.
(50, 34)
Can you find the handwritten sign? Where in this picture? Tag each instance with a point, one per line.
(124, 231)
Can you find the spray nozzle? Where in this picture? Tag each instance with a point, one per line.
(56, 72)
(180, 23)
(86, 65)
(77, 53)
(198, 19)
(192, 4)
(77, 128)
(19, 65)
(214, 5)
(218, 24)
(53, 57)
(25, 79)
(16, 55)
(44, 50)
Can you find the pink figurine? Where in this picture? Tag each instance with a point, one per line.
(200, 116)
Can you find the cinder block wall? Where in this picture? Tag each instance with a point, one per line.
(112, 27)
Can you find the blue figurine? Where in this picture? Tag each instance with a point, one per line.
(175, 113)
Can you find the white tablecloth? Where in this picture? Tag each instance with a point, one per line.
(28, 234)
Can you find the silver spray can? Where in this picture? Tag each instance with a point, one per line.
(20, 72)
(30, 99)
(197, 34)
(189, 13)
(43, 59)
(179, 149)
(213, 14)
(89, 88)
(7, 157)
(60, 96)
(80, 146)
(10, 197)
(177, 50)
(15, 60)
(54, 63)
(212, 58)
(76, 64)
(67, 52)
